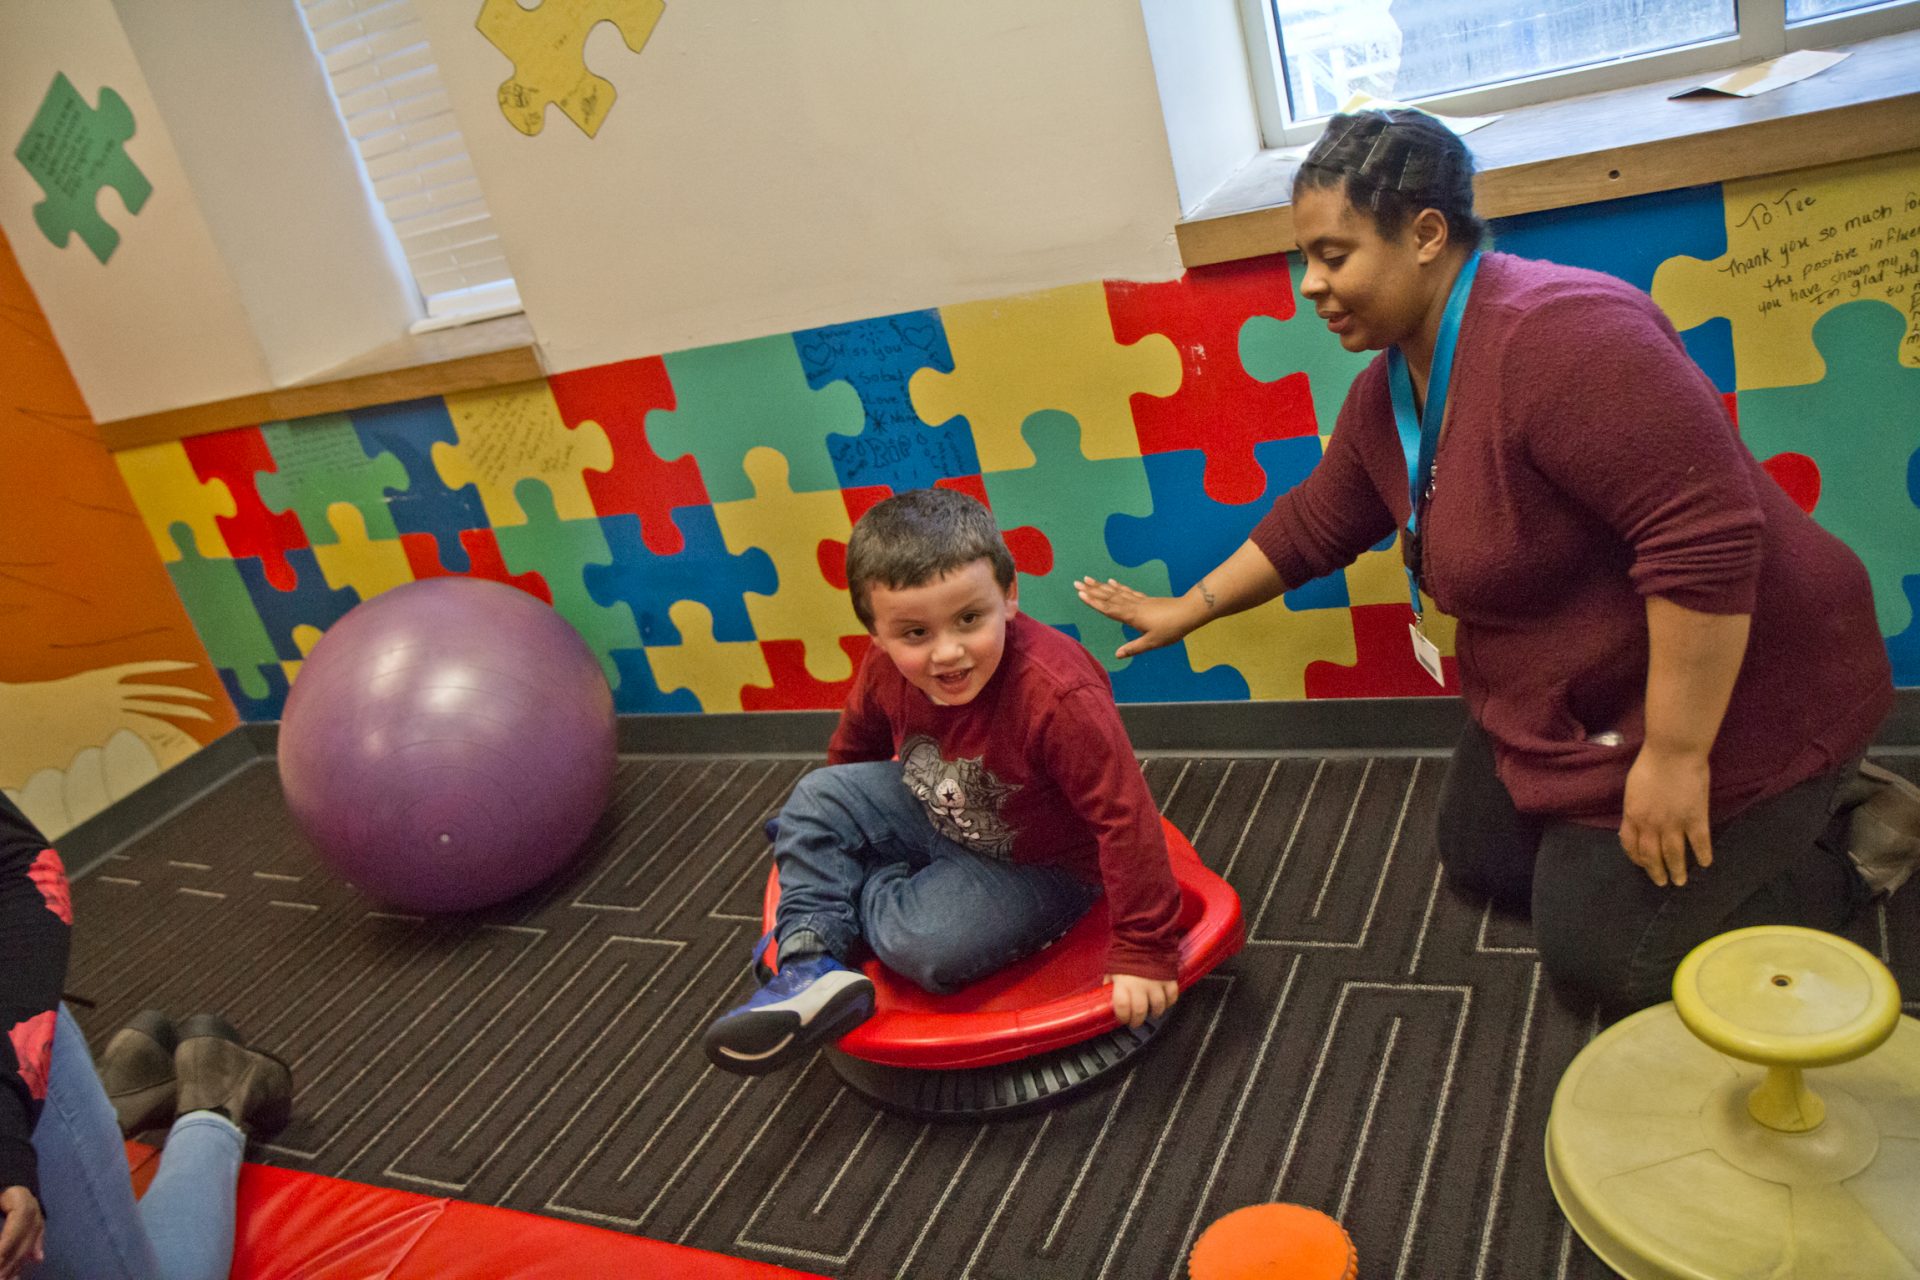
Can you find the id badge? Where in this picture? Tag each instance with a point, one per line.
(1426, 653)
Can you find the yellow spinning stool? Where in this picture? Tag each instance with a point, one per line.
(1765, 1124)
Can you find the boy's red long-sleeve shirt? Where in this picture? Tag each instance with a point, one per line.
(1037, 768)
(1587, 464)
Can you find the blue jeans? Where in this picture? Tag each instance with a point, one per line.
(860, 861)
(181, 1230)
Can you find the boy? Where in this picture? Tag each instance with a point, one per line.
(1014, 800)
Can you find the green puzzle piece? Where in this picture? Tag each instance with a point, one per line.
(1069, 498)
(72, 150)
(559, 551)
(739, 395)
(321, 461)
(223, 613)
(1860, 426)
(1271, 349)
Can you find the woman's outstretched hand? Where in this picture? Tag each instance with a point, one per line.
(1160, 620)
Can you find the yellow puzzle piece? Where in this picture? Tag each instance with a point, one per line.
(304, 638)
(166, 492)
(790, 527)
(1055, 350)
(548, 48)
(1271, 645)
(715, 670)
(1799, 245)
(510, 434)
(367, 565)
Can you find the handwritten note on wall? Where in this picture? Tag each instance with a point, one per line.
(1799, 245)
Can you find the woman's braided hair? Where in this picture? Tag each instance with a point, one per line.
(1393, 164)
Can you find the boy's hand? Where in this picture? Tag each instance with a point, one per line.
(1135, 999)
(23, 1236)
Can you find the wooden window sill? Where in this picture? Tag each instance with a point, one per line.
(1625, 142)
(490, 353)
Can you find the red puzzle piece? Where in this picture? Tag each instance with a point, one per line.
(618, 397)
(1799, 475)
(483, 551)
(794, 687)
(1032, 551)
(1219, 409)
(1385, 666)
(236, 457)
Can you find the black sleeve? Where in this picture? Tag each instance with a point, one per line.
(36, 917)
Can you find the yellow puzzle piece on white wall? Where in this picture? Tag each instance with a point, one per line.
(1798, 245)
(548, 48)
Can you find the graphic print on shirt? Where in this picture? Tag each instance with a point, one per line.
(961, 797)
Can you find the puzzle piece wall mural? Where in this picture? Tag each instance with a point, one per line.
(548, 47)
(688, 513)
(74, 151)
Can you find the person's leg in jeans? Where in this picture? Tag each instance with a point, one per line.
(860, 861)
(1607, 931)
(1487, 846)
(182, 1230)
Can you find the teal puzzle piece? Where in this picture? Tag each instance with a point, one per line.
(741, 395)
(1859, 426)
(223, 612)
(1070, 498)
(322, 460)
(73, 150)
(1272, 349)
(560, 551)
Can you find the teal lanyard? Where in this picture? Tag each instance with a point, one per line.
(1420, 432)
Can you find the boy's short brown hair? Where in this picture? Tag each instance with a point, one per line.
(918, 536)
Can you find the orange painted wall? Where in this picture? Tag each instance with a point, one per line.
(103, 681)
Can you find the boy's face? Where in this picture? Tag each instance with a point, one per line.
(946, 636)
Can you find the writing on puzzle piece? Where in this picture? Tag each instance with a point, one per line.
(73, 150)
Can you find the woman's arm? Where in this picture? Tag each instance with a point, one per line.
(1245, 579)
(1693, 659)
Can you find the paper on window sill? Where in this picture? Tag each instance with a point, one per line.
(1459, 124)
(1766, 76)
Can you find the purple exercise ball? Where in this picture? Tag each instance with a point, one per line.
(448, 744)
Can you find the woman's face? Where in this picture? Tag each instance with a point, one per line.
(1371, 289)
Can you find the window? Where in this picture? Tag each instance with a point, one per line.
(397, 113)
(1311, 56)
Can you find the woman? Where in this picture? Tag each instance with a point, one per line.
(65, 1197)
(1660, 652)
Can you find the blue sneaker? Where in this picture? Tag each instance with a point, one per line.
(814, 1000)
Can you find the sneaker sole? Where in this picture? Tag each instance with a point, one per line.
(765, 1039)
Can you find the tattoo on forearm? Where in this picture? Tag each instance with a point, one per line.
(1205, 594)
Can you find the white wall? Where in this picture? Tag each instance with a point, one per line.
(160, 324)
(278, 180)
(1200, 64)
(767, 167)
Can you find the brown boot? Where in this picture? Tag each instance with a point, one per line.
(220, 1073)
(137, 1070)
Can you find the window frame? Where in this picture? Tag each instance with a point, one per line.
(1761, 33)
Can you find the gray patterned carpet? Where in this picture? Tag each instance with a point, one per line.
(1380, 1049)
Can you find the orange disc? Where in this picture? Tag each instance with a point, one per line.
(1274, 1242)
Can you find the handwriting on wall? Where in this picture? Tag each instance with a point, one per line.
(1798, 246)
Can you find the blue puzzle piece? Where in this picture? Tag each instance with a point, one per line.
(877, 357)
(1630, 238)
(1903, 650)
(311, 603)
(705, 571)
(1167, 675)
(408, 431)
(1193, 534)
(256, 710)
(638, 692)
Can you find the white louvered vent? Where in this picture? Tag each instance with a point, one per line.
(397, 113)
